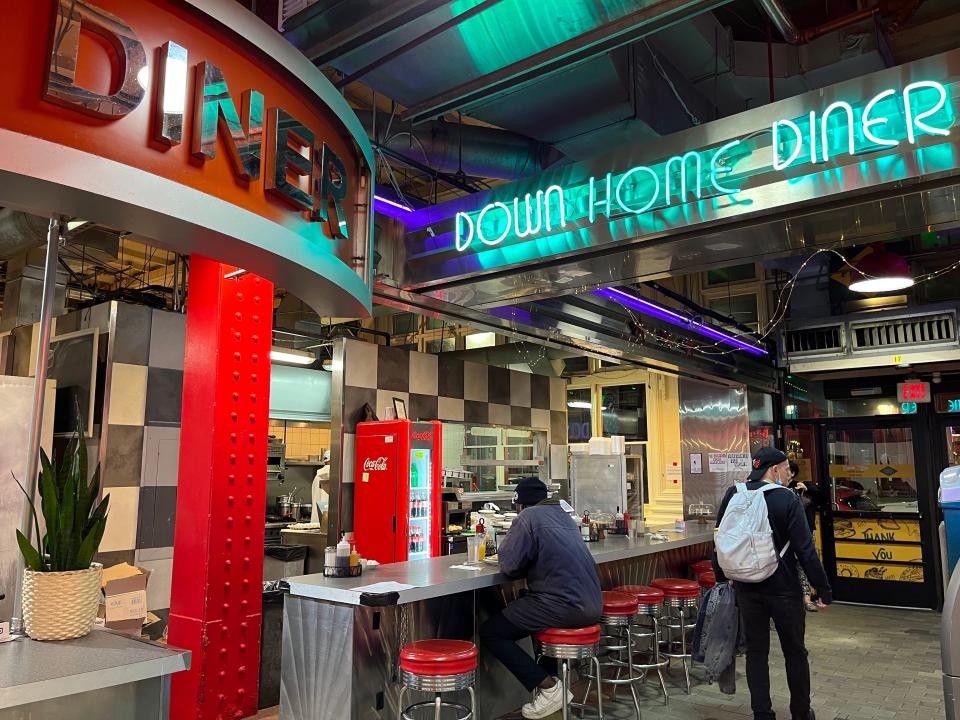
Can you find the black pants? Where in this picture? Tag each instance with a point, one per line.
(789, 618)
(498, 636)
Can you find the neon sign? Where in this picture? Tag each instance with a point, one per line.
(886, 120)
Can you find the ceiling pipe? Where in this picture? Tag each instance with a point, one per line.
(780, 17)
(473, 150)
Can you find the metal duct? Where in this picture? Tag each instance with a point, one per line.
(20, 231)
(480, 151)
(780, 17)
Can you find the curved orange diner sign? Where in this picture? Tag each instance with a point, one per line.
(195, 125)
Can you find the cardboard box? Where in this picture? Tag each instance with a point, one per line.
(123, 599)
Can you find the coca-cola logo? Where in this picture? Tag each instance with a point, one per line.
(375, 464)
(426, 436)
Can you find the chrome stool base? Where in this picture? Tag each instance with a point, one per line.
(675, 619)
(566, 653)
(436, 684)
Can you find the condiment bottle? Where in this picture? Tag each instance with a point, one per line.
(626, 522)
(354, 558)
(343, 553)
(619, 521)
(585, 527)
(329, 557)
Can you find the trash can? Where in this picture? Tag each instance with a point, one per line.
(950, 503)
(271, 644)
(283, 561)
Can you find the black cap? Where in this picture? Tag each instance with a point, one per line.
(764, 459)
(530, 491)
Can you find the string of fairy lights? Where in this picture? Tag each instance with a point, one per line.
(715, 349)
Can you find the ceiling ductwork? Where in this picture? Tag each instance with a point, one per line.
(448, 147)
(20, 231)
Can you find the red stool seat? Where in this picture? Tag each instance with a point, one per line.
(618, 604)
(678, 588)
(439, 657)
(701, 567)
(570, 636)
(644, 594)
(707, 580)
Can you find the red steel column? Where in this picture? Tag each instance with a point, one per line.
(215, 605)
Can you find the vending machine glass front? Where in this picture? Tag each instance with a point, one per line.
(421, 499)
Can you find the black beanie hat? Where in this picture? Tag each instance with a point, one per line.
(530, 491)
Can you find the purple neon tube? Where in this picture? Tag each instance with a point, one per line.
(674, 318)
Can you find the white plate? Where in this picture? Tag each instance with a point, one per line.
(491, 561)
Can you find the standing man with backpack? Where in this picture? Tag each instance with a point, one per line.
(762, 538)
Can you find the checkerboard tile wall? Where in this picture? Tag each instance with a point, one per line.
(141, 440)
(437, 387)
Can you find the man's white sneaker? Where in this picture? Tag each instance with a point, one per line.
(546, 703)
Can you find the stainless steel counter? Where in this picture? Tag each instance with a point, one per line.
(435, 577)
(82, 677)
(340, 656)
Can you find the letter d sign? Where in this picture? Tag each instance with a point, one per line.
(61, 87)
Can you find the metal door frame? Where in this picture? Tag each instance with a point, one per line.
(881, 592)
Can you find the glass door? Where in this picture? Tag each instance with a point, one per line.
(421, 500)
(876, 536)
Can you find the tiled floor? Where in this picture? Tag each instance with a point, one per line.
(868, 664)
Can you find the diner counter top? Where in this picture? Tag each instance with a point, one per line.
(33, 671)
(436, 577)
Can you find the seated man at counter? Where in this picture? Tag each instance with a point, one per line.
(543, 546)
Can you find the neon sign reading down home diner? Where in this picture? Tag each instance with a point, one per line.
(885, 120)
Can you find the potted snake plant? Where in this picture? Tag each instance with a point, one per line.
(61, 583)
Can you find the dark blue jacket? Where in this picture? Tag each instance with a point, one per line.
(544, 546)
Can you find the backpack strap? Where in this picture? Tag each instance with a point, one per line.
(767, 487)
(741, 487)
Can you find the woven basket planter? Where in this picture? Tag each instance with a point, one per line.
(61, 605)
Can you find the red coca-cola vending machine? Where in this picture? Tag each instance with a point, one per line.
(397, 511)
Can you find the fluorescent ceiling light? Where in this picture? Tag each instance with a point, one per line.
(581, 404)
(290, 356)
(74, 224)
(647, 307)
(392, 203)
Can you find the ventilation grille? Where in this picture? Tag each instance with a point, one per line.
(292, 7)
(922, 330)
(815, 340)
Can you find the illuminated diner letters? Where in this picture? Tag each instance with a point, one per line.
(171, 94)
(61, 87)
(287, 140)
(635, 192)
(914, 121)
(718, 164)
(496, 221)
(915, 108)
(214, 108)
(683, 165)
(297, 166)
(330, 189)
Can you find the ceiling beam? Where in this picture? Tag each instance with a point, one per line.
(581, 48)
(326, 32)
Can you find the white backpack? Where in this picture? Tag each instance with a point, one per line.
(744, 540)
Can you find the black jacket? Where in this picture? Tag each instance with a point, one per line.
(789, 523)
(545, 547)
(811, 499)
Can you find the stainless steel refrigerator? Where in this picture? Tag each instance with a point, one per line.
(598, 483)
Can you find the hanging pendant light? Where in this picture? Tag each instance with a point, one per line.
(881, 271)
